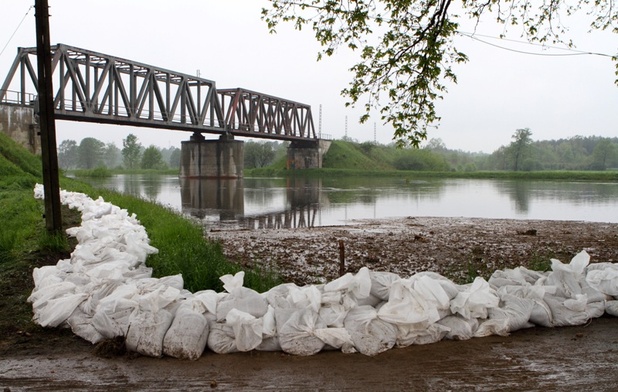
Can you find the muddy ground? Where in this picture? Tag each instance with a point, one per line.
(537, 359)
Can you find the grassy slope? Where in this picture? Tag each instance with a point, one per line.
(353, 159)
(342, 155)
(25, 244)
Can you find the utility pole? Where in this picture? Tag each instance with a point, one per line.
(49, 154)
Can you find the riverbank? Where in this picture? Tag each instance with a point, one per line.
(458, 248)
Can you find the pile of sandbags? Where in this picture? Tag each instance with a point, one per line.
(105, 291)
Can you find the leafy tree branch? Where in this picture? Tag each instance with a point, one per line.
(406, 46)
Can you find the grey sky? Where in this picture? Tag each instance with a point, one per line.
(498, 91)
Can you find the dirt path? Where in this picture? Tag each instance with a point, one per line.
(580, 358)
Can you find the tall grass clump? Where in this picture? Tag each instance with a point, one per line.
(99, 172)
(183, 248)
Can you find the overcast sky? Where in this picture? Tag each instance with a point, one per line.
(498, 91)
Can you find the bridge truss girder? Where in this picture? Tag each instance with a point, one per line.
(94, 87)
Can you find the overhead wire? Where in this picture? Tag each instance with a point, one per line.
(574, 52)
(16, 29)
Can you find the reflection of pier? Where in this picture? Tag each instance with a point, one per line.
(298, 217)
(221, 202)
(203, 196)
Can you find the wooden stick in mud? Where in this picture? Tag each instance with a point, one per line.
(341, 258)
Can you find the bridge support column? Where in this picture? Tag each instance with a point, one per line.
(201, 158)
(307, 154)
(19, 123)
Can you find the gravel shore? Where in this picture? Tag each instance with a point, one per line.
(458, 248)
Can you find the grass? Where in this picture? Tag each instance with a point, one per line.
(99, 172)
(182, 248)
(181, 243)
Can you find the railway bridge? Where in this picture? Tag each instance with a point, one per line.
(99, 88)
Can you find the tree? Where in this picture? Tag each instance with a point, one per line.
(603, 154)
(90, 153)
(435, 144)
(174, 160)
(68, 154)
(131, 151)
(259, 154)
(111, 155)
(152, 159)
(406, 48)
(522, 138)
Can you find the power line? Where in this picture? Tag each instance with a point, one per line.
(575, 52)
(14, 32)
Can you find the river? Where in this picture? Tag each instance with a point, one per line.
(303, 202)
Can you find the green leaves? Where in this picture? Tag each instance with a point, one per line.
(404, 67)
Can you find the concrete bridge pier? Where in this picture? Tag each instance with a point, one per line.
(201, 158)
(307, 154)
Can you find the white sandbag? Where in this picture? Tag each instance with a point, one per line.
(540, 313)
(381, 283)
(40, 273)
(335, 307)
(563, 315)
(187, 336)
(81, 325)
(297, 336)
(97, 291)
(57, 310)
(221, 338)
(147, 328)
(336, 338)
(497, 326)
(432, 291)
(209, 298)
(247, 329)
(566, 277)
(475, 300)
(243, 299)
(43, 295)
(595, 309)
(506, 277)
(270, 338)
(111, 317)
(370, 335)
(611, 307)
(512, 315)
(233, 282)
(603, 277)
(448, 286)
(406, 306)
(305, 297)
(408, 335)
(459, 328)
(358, 285)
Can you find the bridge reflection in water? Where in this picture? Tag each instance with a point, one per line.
(221, 203)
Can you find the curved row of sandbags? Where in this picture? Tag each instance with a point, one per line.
(105, 290)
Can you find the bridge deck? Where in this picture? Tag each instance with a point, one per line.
(95, 87)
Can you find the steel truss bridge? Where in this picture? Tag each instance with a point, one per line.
(94, 87)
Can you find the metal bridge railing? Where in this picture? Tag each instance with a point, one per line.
(17, 97)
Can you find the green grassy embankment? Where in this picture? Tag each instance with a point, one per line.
(345, 159)
(26, 244)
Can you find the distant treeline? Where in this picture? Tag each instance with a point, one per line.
(92, 153)
(522, 154)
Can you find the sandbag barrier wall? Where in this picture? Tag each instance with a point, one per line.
(105, 290)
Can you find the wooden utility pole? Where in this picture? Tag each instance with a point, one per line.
(49, 154)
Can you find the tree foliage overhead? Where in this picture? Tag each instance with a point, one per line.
(406, 46)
